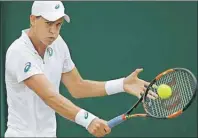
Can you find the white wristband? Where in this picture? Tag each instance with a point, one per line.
(84, 118)
(114, 86)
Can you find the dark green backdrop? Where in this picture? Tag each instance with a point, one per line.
(111, 39)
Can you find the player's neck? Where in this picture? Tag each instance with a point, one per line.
(38, 45)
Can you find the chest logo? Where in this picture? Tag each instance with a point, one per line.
(50, 51)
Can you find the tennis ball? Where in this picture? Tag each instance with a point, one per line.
(164, 91)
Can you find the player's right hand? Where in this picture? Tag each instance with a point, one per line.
(99, 128)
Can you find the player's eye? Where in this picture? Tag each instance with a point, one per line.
(48, 23)
(59, 24)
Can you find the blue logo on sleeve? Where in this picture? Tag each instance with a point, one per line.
(27, 66)
(57, 6)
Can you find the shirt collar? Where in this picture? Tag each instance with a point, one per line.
(27, 40)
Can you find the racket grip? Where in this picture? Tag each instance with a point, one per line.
(115, 121)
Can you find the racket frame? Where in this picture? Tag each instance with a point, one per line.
(119, 119)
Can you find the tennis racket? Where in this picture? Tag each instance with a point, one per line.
(184, 87)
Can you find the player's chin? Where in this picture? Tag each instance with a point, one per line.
(48, 42)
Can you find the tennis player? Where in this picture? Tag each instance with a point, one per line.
(36, 62)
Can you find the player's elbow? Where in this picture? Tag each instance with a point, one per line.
(76, 90)
(75, 95)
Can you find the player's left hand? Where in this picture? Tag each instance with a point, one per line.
(135, 86)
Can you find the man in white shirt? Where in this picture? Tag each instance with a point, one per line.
(36, 62)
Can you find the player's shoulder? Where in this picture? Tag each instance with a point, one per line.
(60, 41)
(60, 44)
(18, 47)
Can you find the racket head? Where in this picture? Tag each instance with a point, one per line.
(184, 87)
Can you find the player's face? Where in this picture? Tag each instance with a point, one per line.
(47, 31)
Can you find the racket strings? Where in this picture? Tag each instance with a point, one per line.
(182, 85)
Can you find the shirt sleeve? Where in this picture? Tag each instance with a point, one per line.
(68, 63)
(25, 65)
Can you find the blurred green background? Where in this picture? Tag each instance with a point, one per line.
(108, 40)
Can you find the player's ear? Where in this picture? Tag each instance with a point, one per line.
(32, 20)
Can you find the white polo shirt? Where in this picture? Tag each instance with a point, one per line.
(28, 115)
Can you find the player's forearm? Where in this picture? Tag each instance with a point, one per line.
(62, 106)
(88, 88)
(80, 88)
(67, 109)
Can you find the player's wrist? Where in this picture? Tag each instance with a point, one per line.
(84, 118)
(114, 86)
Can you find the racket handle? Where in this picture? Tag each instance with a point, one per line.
(115, 121)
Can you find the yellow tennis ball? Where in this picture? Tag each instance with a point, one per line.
(164, 91)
